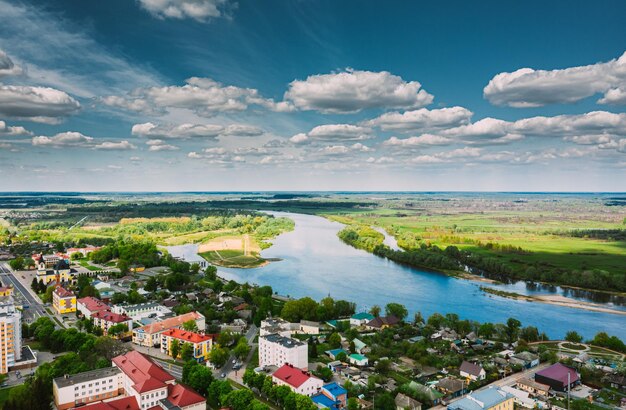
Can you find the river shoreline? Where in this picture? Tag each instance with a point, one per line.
(556, 300)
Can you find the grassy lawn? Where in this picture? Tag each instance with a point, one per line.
(86, 264)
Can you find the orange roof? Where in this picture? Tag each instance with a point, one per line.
(140, 368)
(182, 396)
(186, 336)
(110, 316)
(169, 323)
(62, 292)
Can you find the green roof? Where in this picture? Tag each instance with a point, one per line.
(362, 316)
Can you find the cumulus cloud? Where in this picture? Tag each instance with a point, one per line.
(352, 91)
(422, 119)
(79, 140)
(160, 145)
(422, 140)
(39, 104)
(63, 139)
(12, 131)
(182, 131)
(7, 67)
(115, 146)
(151, 130)
(199, 10)
(344, 150)
(333, 132)
(204, 96)
(527, 87)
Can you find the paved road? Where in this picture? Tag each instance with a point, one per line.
(36, 309)
(238, 374)
(173, 369)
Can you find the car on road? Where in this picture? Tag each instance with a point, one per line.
(237, 366)
(223, 375)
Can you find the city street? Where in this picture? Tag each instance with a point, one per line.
(23, 295)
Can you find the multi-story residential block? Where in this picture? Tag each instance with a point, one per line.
(10, 334)
(150, 335)
(105, 319)
(202, 344)
(298, 380)
(63, 300)
(137, 381)
(90, 305)
(277, 350)
(88, 387)
(143, 310)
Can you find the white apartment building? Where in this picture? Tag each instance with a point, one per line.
(134, 382)
(277, 350)
(88, 387)
(142, 310)
(10, 334)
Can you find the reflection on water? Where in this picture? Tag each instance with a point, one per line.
(314, 262)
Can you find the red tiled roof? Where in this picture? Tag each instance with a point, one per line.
(559, 372)
(93, 304)
(110, 316)
(182, 396)
(124, 403)
(240, 307)
(170, 323)
(140, 368)
(62, 292)
(292, 375)
(186, 336)
(148, 385)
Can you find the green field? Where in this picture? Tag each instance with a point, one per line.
(533, 232)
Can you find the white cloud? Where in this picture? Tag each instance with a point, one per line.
(422, 119)
(242, 130)
(426, 159)
(115, 146)
(14, 131)
(461, 153)
(159, 145)
(615, 96)
(334, 132)
(151, 130)
(534, 88)
(7, 67)
(622, 145)
(200, 10)
(344, 150)
(422, 140)
(63, 139)
(204, 96)
(352, 91)
(299, 138)
(39, 104)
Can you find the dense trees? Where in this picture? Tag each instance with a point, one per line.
(308, 309)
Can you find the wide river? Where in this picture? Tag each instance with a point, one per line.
(314, 262)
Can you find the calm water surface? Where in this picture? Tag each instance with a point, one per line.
(316, 263)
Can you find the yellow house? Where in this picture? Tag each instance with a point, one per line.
(6, 291)
(63, 300)
(202, 344)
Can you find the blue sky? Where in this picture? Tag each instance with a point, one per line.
(312, 95)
